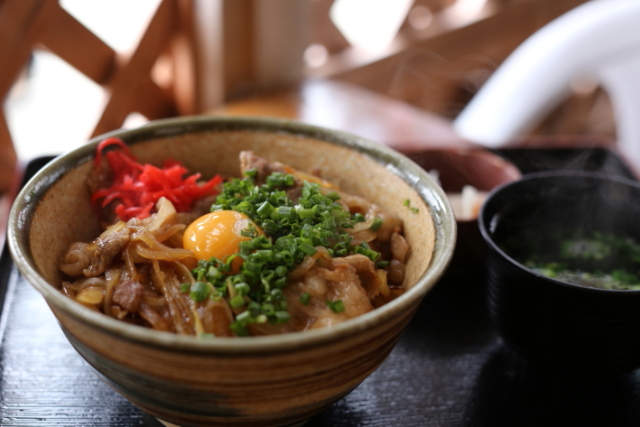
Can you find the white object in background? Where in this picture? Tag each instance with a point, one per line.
(599, 39)
(369, 24)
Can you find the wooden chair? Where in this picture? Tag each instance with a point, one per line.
(27, 25)
(229, 49)
(440, 69)
(437, 70)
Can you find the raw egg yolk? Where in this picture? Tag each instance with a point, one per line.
(218, 234)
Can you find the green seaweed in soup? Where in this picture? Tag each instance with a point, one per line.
(599, 260)
(618, 279)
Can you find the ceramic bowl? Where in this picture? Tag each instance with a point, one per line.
(558, 325)
(254, 381)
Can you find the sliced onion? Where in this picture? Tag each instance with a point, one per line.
(91, 295)
(166, 232)
(159, 251)
(112, 229)
(382, 284)
(166, 214)
(111, 284)
(155, 301)
(308, 262)
(167, 254)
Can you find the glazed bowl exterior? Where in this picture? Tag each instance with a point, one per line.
(254, 381)
(557, 325)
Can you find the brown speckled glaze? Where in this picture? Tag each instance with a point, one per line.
(456, 168)
(256, 381)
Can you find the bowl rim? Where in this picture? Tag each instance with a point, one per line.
(535, 176)
(474, 153)
(418, 179)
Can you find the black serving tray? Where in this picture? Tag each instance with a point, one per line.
(448, 369)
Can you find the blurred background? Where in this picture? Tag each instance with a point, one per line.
(396, 71)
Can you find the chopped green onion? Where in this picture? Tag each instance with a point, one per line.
(263, 255)
(244, 318)
(236, 301)
(369, 253)
(377, 222)
(305, 298)
(250, 231)
(335, 306)
(281, 317)
(185, 287)
(265, 209)
(254, 309)
(242, 288)
(307, 249)
(284, 212)
(277, 179)
(251, 173)
(407, 203)
(213, 274)
(199, 291)
(305, 213)
(245, 247)
(268, 309)
(239, 329)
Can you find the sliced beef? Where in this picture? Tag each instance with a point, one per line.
(128, 295)
(366, 270)
(77, 258)
(108, 248)
(155, 318)
(340, 282)
(249, 160)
